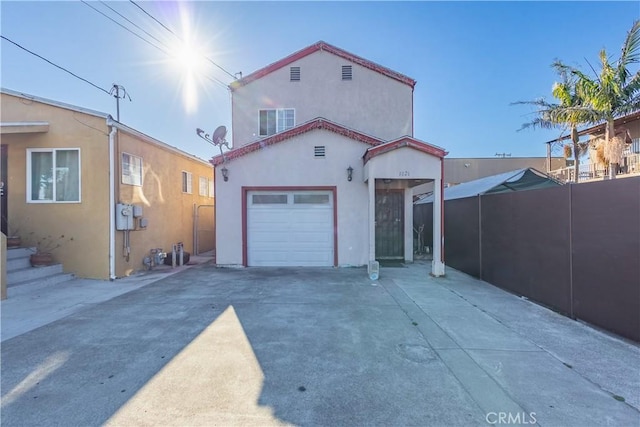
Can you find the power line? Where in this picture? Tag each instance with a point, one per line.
(166, 52)
(133, 23)
(55, 65)
(129, 30)
(176, 36)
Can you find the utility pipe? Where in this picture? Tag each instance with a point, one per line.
(112, 206)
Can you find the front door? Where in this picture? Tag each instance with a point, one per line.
(389, 224)
(3, 188)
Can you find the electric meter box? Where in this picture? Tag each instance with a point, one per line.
(124, 216)
(137, 211)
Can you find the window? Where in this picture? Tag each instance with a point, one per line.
(186, 182)
(319, 151)
(294, 74)
(273, 121)
(212, 190)
(131, 169)
(269, 199)
(203, 187)
(53, 175)
(635, 145)
(311, 199)
(347, 72)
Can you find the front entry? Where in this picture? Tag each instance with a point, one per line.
(389, 224)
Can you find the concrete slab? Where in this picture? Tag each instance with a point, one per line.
(210, 346)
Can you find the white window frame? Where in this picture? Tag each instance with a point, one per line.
(203, 187)
(189, 182)
(130, 175)
(280, 115)
(53, 155)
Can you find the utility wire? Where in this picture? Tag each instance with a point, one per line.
(132, 23)
(55, 65)
(132, 32)
(166, 52)
(176, 36)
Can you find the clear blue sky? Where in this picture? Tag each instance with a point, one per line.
(470, 59)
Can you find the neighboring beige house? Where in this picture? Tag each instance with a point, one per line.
(323, 165)
(116, 192)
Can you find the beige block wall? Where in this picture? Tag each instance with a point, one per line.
(169, 211)
(291, 163)
(86, 222)
(459, 170)
(371, 103)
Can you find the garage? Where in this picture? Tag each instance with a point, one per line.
(290, 228)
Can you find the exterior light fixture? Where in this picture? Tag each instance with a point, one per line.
(225, 173)
(349, 173)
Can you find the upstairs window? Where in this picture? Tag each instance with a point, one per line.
(347, 72)
(203, 187)
(131, 169)
(186, 182)
(277, 120)
(294, 74)
(53, 175)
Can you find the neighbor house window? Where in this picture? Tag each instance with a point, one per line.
(273, 121)
(294, 74)
(186, 182)
(347, 72)
(212, 190)
(53, 175)
(203, 187)
(131, 169)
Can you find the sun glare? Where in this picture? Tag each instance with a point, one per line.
(190, 62)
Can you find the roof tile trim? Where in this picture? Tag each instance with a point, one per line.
(322, 46)
(404, 142)
(319, 123)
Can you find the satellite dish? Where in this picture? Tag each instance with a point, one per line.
(219, 134)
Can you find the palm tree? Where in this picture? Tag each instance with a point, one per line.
(567, 113)
(614, 92)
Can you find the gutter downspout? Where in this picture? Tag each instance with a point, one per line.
(112, 214)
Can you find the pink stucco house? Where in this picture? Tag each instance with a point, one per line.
(323, 165)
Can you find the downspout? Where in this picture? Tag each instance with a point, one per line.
(112, 209)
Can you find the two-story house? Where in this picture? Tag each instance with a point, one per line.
(323, 165)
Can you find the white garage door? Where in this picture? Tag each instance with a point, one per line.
(290, 228)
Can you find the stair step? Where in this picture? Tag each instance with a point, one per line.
(14, 264)
(28, 286)
(32, 273)
(13, 253)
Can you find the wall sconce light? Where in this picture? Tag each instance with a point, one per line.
(225, 173)
(349, 173)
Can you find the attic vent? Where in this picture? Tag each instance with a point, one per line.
(295, 74)
(347, 72)
(318, 151)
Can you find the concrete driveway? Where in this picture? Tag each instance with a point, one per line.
(261, 346)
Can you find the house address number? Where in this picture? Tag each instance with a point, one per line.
(403, 173)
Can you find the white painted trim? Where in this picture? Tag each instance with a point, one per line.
(53, 151)
(122, 169)
(189, 182)
(112, 202)
(23, 127)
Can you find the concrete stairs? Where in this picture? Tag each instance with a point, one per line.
(20, 271)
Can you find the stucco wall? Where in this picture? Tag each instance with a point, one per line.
(86, 222)
(455, 171)
(404, 163)
(169, 211)
(292, 163)
(370, 103)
